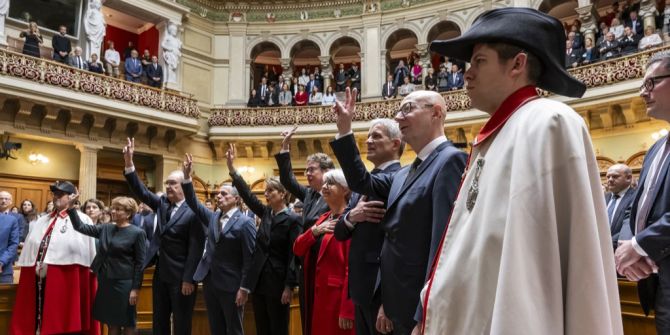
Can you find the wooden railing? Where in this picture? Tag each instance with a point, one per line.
(593, 75)
(56, 74)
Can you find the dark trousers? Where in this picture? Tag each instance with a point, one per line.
(57, 57)
(662, 307)
(153, 83)
(225, 318)
(168, 300)
(366, 318)
(272, 317)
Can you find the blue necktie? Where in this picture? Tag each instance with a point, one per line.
(610, 208)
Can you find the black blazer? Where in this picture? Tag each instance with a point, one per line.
(120, 253)
(180, 239)
(157, 72)
(314, 206)
(61, 43)
(655, 237)
(366, 242)
(617, 222)
(229, 252)
(274, 239)
(146, 223)
(416, 217)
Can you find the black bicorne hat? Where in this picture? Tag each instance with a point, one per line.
(63, 186)
(534, 31)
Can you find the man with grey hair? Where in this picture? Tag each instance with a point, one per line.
(77, 60)
(419, 199)
(361, 224)
(176, 249)
(644, 258)
(228, 255)
(619, 180)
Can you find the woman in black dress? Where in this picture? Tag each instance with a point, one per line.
(273, 274)
(118, 265)
(31, 46)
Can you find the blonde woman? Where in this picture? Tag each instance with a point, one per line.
(31, 46)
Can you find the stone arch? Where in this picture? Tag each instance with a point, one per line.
(304, 46)
(254, 43)
(350, 33)
(400, 46)
(560, 9)
(264, 57)
(635, 161)
(346, 47)
(411, 26)
(437, 22)
(301, 38)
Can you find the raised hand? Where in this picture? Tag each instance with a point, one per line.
(187, 166)
(287, 134)
(128, 152)
(230, 157)
(72, 198)
(345, 112)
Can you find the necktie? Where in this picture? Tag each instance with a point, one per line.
(651, 186)
(389, 89)
(169, 212)
(224, 220)
(412, 169)
(78, 62)
(611, 206)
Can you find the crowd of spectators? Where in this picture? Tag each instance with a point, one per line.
(144, 70)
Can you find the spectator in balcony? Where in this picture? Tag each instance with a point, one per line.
(311, 83)
(77, 60)
(635, 23)
(262, 92)
(430, 82)
(61, 45)
(617, 28)
(271, 74)
(613, 13)
(456, 81)
(295, 86)
(315, 97)
(33, 39)
(650, 40)
(280, 84)
(416, 73)
(573, 56)
(304, 77)
(285, 96)
(355, 77)
(443, 79)
(578, 38)
(301, 96)
(341, 79)
(406, 88)
(154, 73)
(629, 41)
(328, 97)
(400, 73)
(94, 64)
(609, 48)
(601, 34)
(253, 100)
(273, 96)
(146, 60)
(576, 44)
(112, 59)
(133, 67)
(389, 89)
(590, 54)
(446, 64)
(318, 78)
(128, 51)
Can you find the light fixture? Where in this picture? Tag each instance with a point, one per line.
(659, 134)
(34, 158)
(246, 169)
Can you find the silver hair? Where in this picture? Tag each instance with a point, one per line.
(391, 127)
(663, 57)
(335, 176)
(232, 189)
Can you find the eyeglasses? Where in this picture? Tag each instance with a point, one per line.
(406, 109)
(650, 82)
(311, 170)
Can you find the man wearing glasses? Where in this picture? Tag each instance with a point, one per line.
(529, 233)
(418, 199)
(640, 258)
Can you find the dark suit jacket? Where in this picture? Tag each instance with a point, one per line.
(180, 240)
(314, 206)
(629, 44)
(61, 43)
(366, 243)
(72, 61)
(229, 252)
(617, 221)
(389, 93)
(157, 72)
(10, 231)
(274, 240)
(263, 100)
(416, 217)
(655, 238)
(608, 49)
(638, 29)
(575, 56)
(132, 66)
(116, 257)
(458, 83)
(146, 222)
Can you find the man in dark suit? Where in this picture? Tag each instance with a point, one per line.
(77, 60)
(355, 76)
(634, 22)
(311, 84)
(629, 41)
(228, 256)
(389, 90)
(145, 219)
(419, 199)
(176, 249)
(644, 258)
(6, 202)
(361, 224)
(572, 56)
(263, 91)
(133, 67)
(619, 179)
(609, 48)
(341, 79)
(155, 73)
(455, 80)
(314, 206)
(10, 232)
(61, 45)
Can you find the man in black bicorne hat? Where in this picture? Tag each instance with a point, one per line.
(528, 234)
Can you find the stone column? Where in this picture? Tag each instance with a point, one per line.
(287, 69)
(424, 56)
(371, 73)
(589, 17)
(237, 94)
(647, 13)
(88, 170)
(164, 166)
(326, 71)
(382, 66)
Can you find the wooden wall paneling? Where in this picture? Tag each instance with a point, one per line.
(21, 188)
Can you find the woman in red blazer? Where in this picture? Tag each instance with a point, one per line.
(328, 310)
(301, 96)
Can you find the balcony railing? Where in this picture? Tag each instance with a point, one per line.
(60, 75)
(593, 75)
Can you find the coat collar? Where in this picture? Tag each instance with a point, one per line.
(510, 105)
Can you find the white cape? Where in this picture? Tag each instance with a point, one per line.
(534, 256)
(67, 246)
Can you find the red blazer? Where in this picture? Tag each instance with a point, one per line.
(301, 98)
(331, 282)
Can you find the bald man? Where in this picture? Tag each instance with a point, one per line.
(6, 202)
(176, 249)
(619, 198)
(418, 200)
